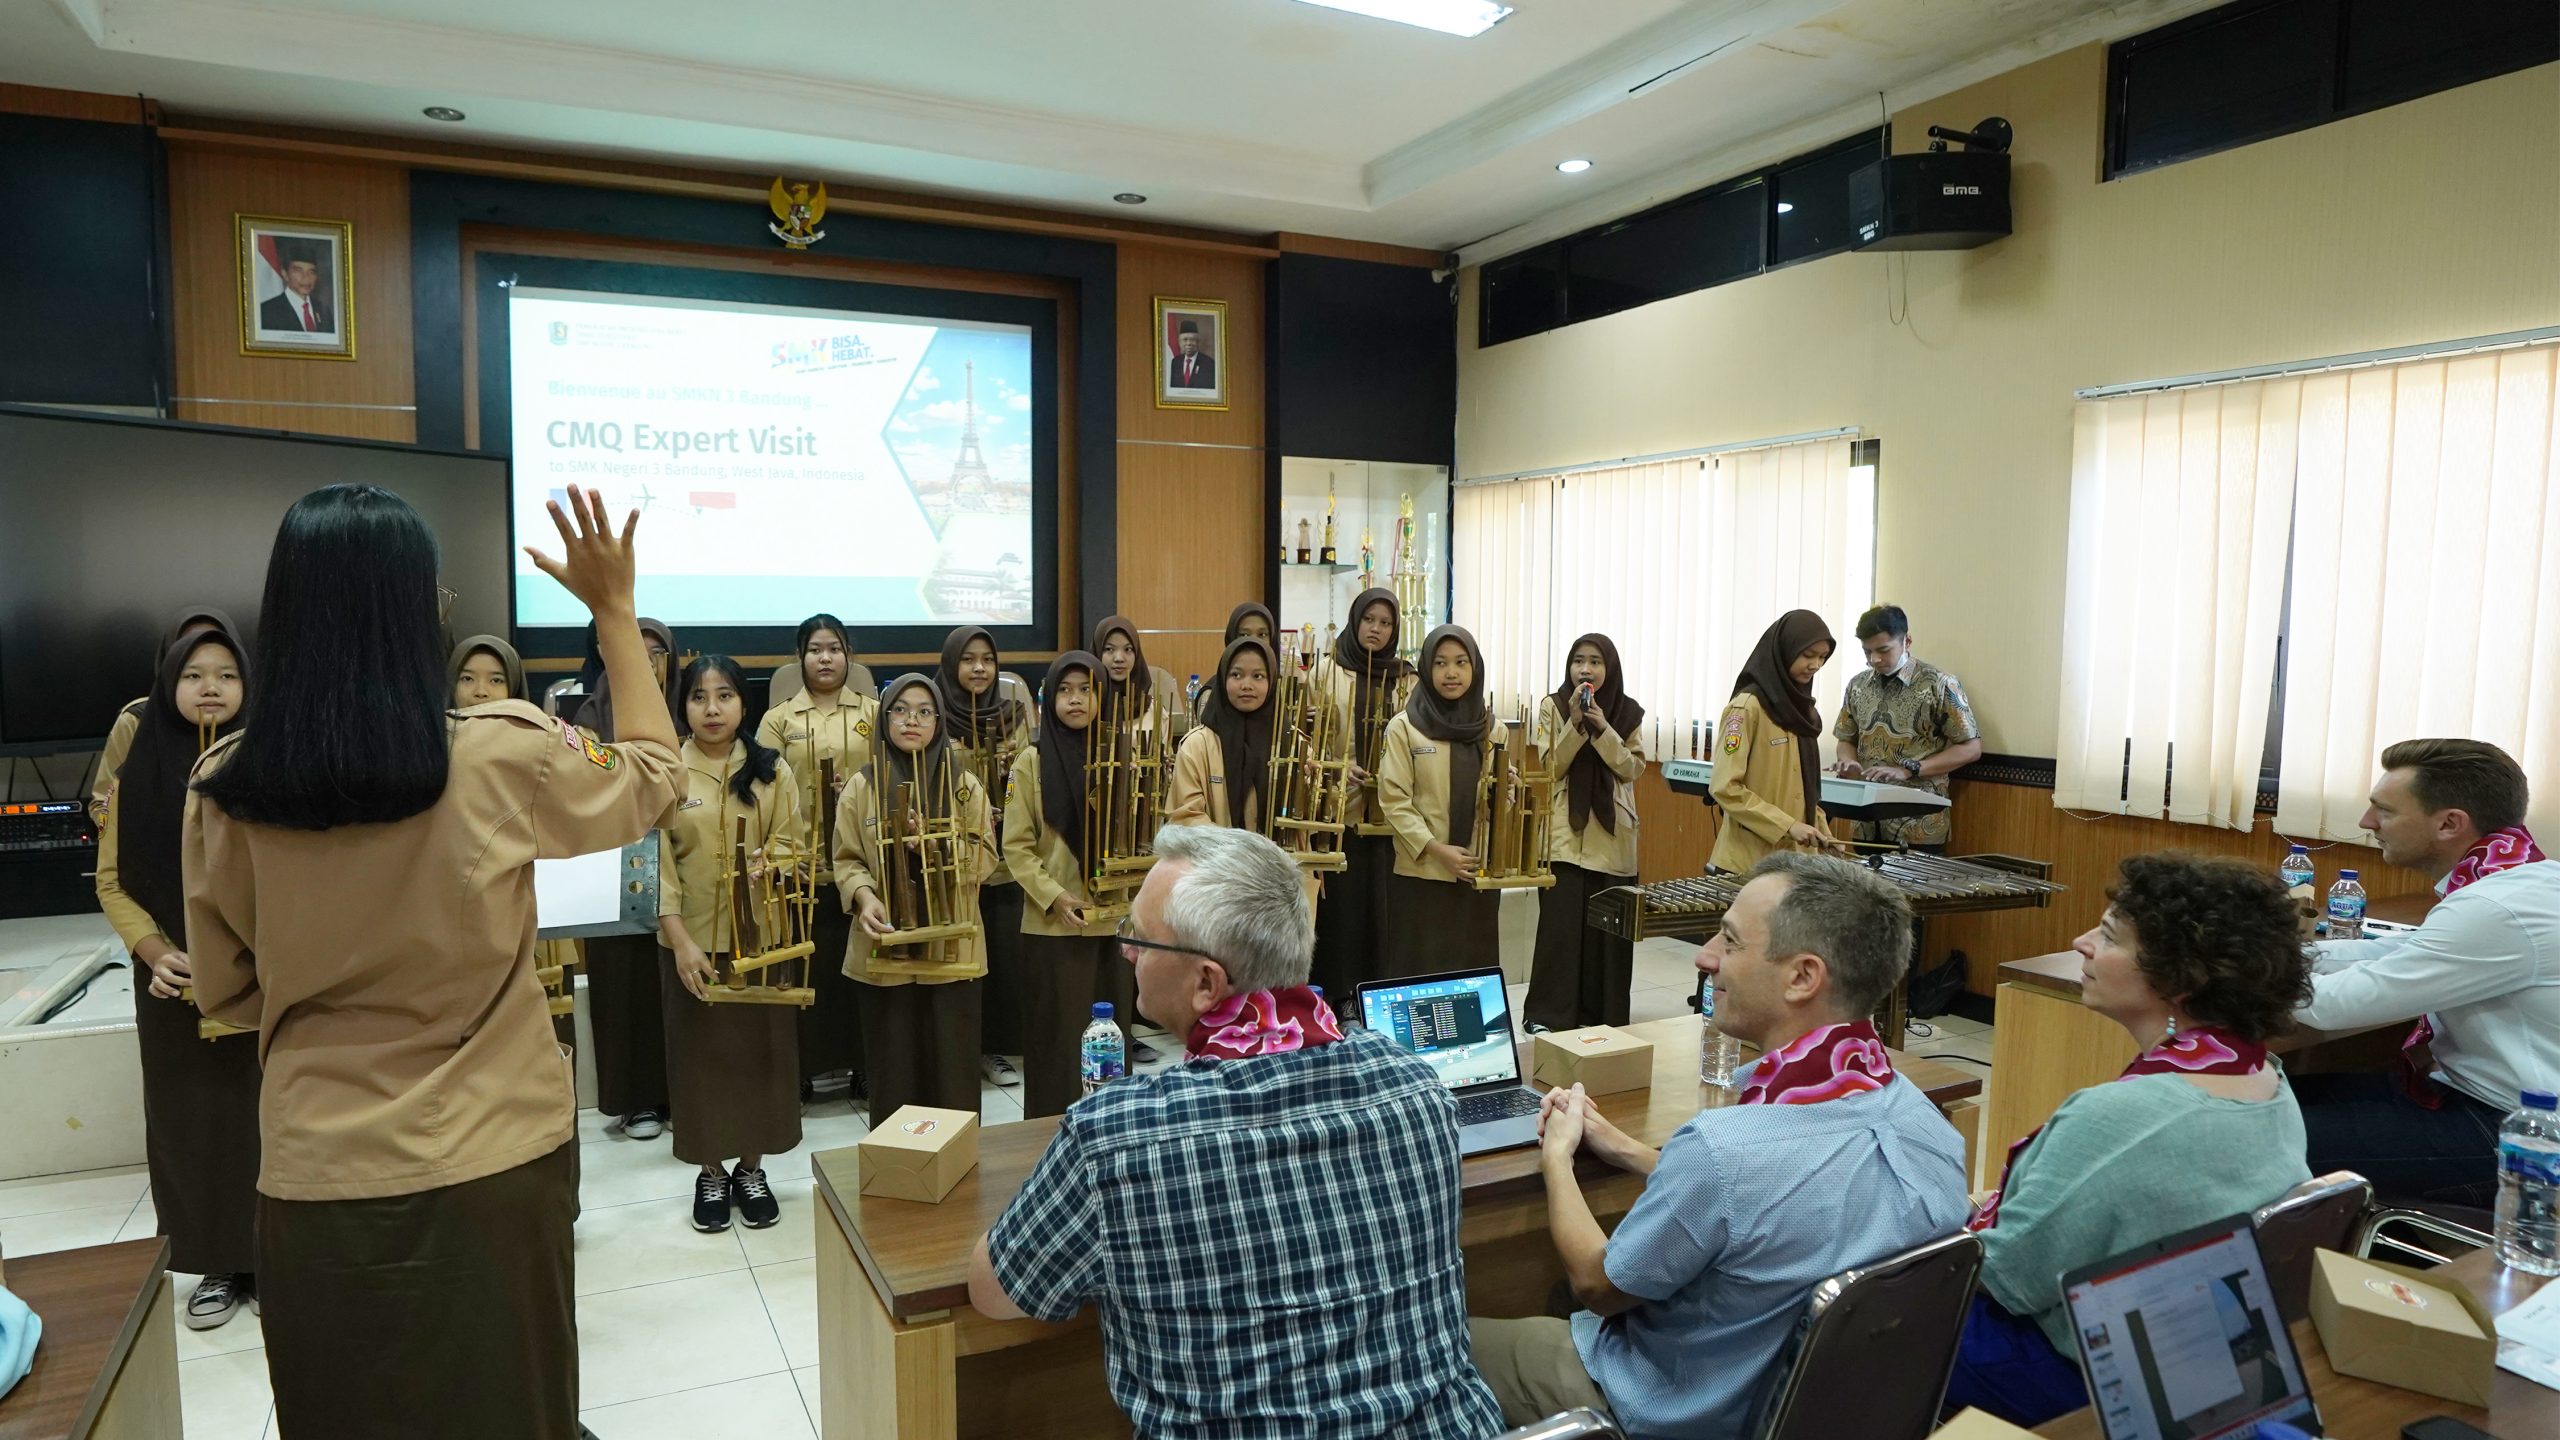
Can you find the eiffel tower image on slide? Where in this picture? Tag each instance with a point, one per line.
(970, 481)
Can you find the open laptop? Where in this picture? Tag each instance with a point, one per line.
(1459, 1024)
(2182, 1339)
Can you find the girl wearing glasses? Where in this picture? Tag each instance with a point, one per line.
(920, 1003)
(623, 1010)
(1067, 959)
(1429, 769)
(830, 719)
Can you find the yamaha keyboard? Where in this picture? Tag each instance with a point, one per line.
(1841, 799)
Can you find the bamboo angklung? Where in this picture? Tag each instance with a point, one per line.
(923, 855)
(1124, 803)
(1304, 798)
(767, 915)
(1514, 796)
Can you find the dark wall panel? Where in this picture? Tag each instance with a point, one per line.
(81, 264)
(1364, 361)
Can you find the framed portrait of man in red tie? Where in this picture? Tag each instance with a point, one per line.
(297, 287)
(1191, 363)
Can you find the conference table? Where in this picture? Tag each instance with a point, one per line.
(902, 1354)
(2353, 1409)
(107, 1365)
(2046, 1045)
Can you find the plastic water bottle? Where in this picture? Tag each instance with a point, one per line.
(2299, 882)
(2529, 1185)
(1719, 1054)
(2346, 908)
(1106, 1051)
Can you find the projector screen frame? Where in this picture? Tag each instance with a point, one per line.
(497, 272)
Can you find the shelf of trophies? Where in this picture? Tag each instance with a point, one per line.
(1352, 525)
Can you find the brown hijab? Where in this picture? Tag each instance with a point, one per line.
(151, 786)
(976, 721)
(1062, 754)
(1374, 671)
(1463, 724)
(597, 713)
(1244, 736)
(1791, 705)
(1589, 787)
(1235, 622)
(893, 766)
(507, 659)
(1127, 696)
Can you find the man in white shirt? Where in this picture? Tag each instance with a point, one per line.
(2480, 979)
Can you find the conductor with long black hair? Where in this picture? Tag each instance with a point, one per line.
(359, 889)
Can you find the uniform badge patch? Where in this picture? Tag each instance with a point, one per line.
(1732, 733)
(598, 755)
(570, 737)
(862, 728)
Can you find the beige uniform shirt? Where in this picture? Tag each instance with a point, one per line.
(388, 969)
(1039, 858)
(1198, 792)
(1343, 686)
(111, 759)
(858, 860)
(1413, 790)
(1759, 783)
(807, 732)
(993, 765)
(133, 923)
(1592, 848)
(693, 836)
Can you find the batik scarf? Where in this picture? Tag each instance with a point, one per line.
(1825, 1064)
(1266, 1022)
(2502, 850)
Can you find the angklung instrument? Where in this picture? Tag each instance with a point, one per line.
(1124, 804)
(762, 925)
(924, 853)
(1305, 796)
(1514, 798)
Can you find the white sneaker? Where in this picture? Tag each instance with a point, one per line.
(216, 1299)
(643, 1125)
(999, 1071)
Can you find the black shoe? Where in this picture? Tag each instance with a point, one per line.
(216, 1299)
(711, 1203)
(754, 1197)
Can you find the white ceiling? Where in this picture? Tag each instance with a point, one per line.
(1250, 115)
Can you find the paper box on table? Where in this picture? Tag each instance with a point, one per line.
(918, 1153)
(1980, 1425)
(1602, 1059)
(2401, 1327)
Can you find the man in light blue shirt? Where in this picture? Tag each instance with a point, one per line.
(1828, 1162)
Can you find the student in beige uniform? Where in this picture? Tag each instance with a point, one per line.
(486, 670)
(199, 1097)
(986, 728)
(1127, 686)
(120, 735)
(920, 1009)
(1434, 918)
(1068, 962)
(1589, 740)
(827, 720)
(1222, 768)
(733, 1070)
(359, 889)
(1253, 620)
(1768, 749)
(624, 1014)
(1370, 684)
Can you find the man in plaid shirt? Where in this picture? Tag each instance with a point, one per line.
(1271, 1227)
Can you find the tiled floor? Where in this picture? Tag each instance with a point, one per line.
(649, 1287)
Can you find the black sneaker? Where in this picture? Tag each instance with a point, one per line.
(711, 1203)
(215, 1300)
(756, 1204)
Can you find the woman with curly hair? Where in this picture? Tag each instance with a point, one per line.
(2199, 960)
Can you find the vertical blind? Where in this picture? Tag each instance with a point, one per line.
(2413, 506)
(1682, 563)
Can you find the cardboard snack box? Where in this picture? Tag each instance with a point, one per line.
(1602, 1059)
(918, 1153)
(2401, 1327)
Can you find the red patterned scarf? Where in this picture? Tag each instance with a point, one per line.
(1819, 1065)
(1266, 1022)
(2500, 850)
(2204, 1050)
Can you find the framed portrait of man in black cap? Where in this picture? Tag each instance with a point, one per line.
(297, 287)
(1191, 366)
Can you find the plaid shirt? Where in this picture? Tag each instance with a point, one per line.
(1273, 1243)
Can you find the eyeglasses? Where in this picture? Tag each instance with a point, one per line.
(901, 712)
(1130, 943)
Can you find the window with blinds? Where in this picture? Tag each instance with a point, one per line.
(1681, 562)
(2382, 542)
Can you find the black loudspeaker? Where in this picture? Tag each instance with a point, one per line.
(1937, 200)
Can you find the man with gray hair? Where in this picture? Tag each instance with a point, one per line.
(1270, 1228)
(1826, 1161)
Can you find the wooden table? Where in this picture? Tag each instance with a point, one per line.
(2045, 1044)
(107, 1365)
(902, 1354)
(2353, 1409)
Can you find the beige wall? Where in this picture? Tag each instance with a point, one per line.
(2432, 220)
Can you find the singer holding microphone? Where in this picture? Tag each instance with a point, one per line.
(1588, 736)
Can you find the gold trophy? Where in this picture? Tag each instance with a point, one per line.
(1412, 587)
(1514, 798)
(1305, 556)
(1327, 554)
(1124, 803)
(768, 913)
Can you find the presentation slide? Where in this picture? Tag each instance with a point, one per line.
(784, 461)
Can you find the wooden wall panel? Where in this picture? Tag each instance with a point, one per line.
(1679, 833)
(1148, 271)
(322, 397)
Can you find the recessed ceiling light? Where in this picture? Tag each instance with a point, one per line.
(442, 112)
(1130, 197)
(1462, 18)
(1786, 207)
(1573, 167)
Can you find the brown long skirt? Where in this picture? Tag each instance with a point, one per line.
(1347, 921)
(1581, 976)
(1432, 926)
(1000, 1007)
(922, 1043)
(630, 1028)
(1062, 977)
(200, 1133)
(445, 1313)
(733, 1072)
(830, 1030)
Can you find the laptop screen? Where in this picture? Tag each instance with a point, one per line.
(1460, 1025)
(2183, 1341)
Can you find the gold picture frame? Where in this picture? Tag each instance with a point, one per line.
(279, 255)
(1204, 324)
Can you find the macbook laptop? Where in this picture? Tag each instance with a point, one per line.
(1459, 1024)
(2182, 1340)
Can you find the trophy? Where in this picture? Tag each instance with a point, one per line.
(920, 874)
(1124, 803)
(768, 916)
(1514, 798)
(1327, 554)
(1412, 587)
(1305, 556)
(1304, 797)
